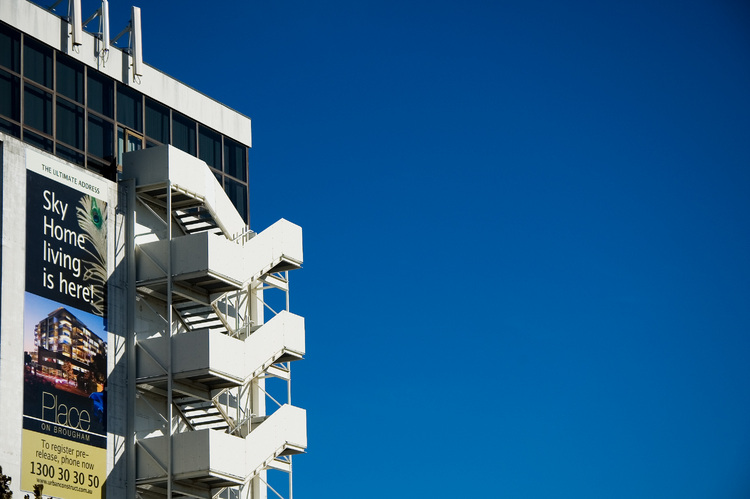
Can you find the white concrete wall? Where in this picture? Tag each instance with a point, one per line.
(11, 307)
(50, 29)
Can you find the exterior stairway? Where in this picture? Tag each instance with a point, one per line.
(214, 352)
(225, 460)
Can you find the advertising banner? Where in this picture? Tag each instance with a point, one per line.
(65, 337)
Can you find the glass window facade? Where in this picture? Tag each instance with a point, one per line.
(10, 91)
(235, 159)
(130, 108)
(101, 137)
(210, 147)
(37, 59)
(10, 48)
(101, 94)
(183, 133)
(70, 124)
(37, 109)
(70, 78)
(54, 102)
(157, 121)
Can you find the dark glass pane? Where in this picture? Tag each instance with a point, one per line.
(10, 48)
(10, 128)
(37, 109)
(157, 121)
(37, 62)
(70, 78)
(209, 147)
(235, 159)
(238, 195)
(101, 137)
(129, 108)
(101, 94)
(37, 140)
(10, 96)
(69, 123)
(69, 154)
(183, 133)
(218, 176)
(105, 169)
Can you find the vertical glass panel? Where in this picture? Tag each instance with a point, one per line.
(38, 108)
(70, 78)
(10, 128)
(69, 154)
(69, 123)
(219, 176)
(37, 140)
(10, 48)
(157, 121)
(134, 142)
(235, 159)
(183, 133)
(209, 147)
(101, 94)
(238, 195)
(129, 108)
(10, 96)
(120, 144)
(37, 62)
(101, 137)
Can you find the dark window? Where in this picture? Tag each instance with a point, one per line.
(183, 133)
(37, 62)
(219, 176)
(10, 48)
(37, 140)
(129, 108)
(37, 109)
(10, 128)
(95, 165)
(157, 121)
(70, 123)
(10, 96)
(237, 194)
(70, 78)
(209, 147)
(101, 137)
(106, 169)
(101, 94)
(235, 159)
(69, 154)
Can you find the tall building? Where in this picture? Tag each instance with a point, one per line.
(142, 350)
(66, 349)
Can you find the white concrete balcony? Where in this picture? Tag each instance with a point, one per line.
(214, 264)
(210, 459)
(205, 360)
(205, 261)
(282, 339)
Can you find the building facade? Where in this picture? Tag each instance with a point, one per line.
(65, 348)
(139, 355)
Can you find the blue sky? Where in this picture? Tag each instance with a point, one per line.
(526, 235)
